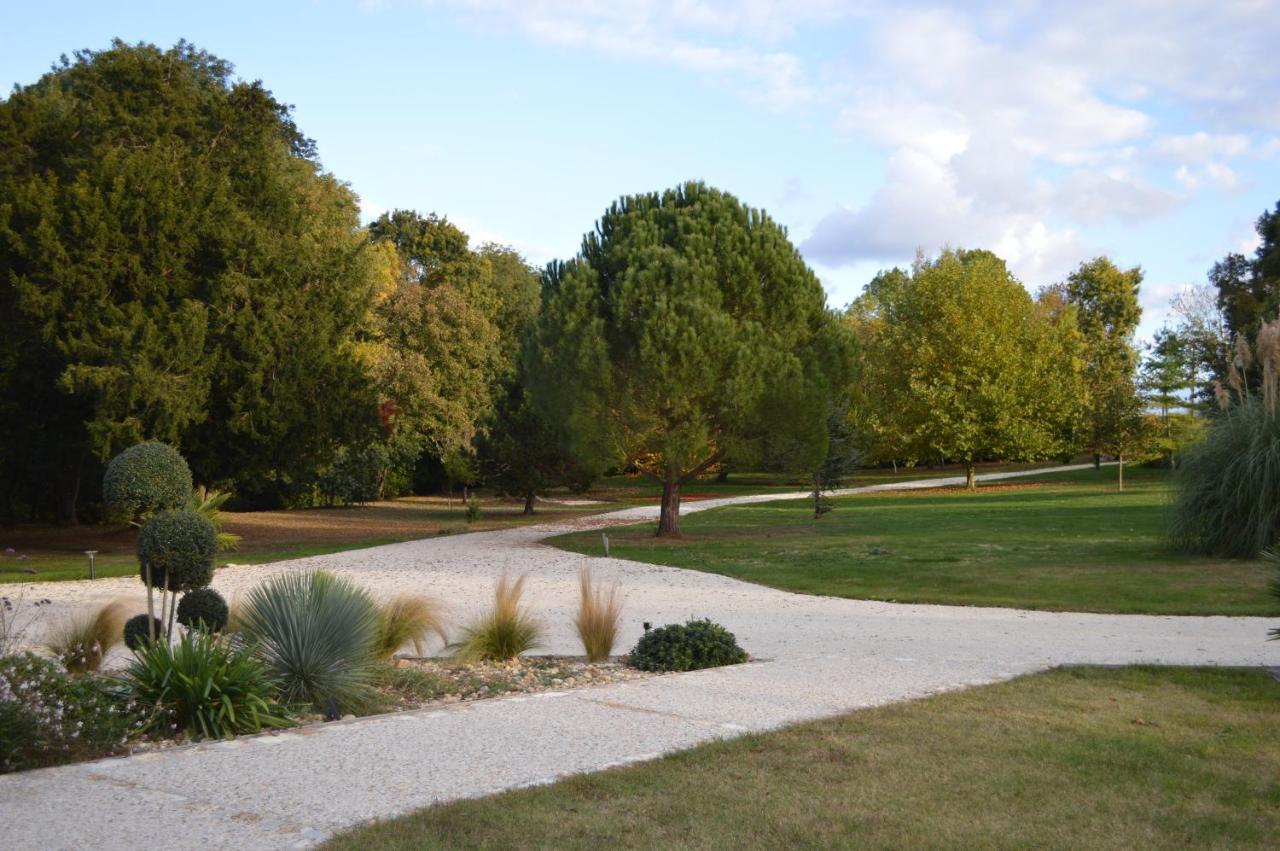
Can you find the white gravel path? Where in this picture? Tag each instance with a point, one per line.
(817, 656)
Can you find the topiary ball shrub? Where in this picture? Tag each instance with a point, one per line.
(203, 608)
(179, 547)
(145, 479)
(687, 647)
(136, 634)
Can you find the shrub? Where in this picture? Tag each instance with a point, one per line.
(1228, 489)
(317, 633)
(505, 631)
(356, 475)
(599, 610)
(687, 647)
(206, 685)
(47, 717)
(203, 608)
(473, 510)
(179, 547)
(83, 640)
(137, 635)
(145, 479)
(407, 619)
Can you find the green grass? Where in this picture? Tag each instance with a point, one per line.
(1073, 758)
(1060, 542)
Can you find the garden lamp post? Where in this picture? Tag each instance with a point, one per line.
(91, 554)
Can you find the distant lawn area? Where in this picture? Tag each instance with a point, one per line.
(1065, 542)
(1072, 758)
(58, 553)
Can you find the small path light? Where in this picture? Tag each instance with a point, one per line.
(604, 536)
(91, 554)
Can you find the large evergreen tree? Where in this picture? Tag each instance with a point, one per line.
(175, 266)
(686, 330)
(1249, 287)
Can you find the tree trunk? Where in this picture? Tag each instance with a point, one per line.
(1120, 480)
(970, 478)
(723, 475)
(669, 519)
(528, 502)
(1097, 460)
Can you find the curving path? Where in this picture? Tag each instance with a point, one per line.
(816, 656)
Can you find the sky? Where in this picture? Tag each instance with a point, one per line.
(1048, 132)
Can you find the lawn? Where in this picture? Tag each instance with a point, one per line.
(58, 553)
(1060, 542)
(1072, 758)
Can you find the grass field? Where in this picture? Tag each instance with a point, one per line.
(58, 553)
(1061, 542)
(1073, 758)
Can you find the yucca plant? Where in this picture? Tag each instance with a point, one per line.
(209, 686)
(407, 619)
(83, 640)
(505, 631)
(599, 611)
(317, 634)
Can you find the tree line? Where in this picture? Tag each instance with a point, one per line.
(178, 266)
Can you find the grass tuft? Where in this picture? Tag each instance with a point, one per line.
(83, 640)
(407, 619)
(505, 631)
(599, 611)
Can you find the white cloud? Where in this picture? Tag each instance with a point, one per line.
(1200, 146)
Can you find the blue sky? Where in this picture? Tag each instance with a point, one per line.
(1047, 132)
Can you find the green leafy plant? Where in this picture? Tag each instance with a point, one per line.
(208, 504)
(689, 646)
(407, 619)
(206, 685)
(473, 510)
(48, 717)
(505, 631)
(145, 479)
(83, 640)
(599, 610)
(140, 630)
(175, 551)
(317, 634)
(203, 608)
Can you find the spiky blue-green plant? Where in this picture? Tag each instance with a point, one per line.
(316, 632)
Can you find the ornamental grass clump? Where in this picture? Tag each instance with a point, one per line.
(205, 685)
(408, 619)
(317, 634)
(83, 640)
(1228, 490)
(505, 631)
(599, 612)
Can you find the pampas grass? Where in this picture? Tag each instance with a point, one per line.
(505, 631)
(599, 611)
(407, 619)
(83, 640)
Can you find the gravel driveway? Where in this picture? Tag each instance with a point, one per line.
(815, 656)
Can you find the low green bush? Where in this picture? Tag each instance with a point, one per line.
(206, 685)
(473, 510)
(687, 647)
(145, 479)
(137, 633)
(48, 717)
(317, 633)
(179, 547)
(203, 608)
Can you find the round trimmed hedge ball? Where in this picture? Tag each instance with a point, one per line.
(136, 634)
(144, 479)
(178, 546)
(203, 608)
